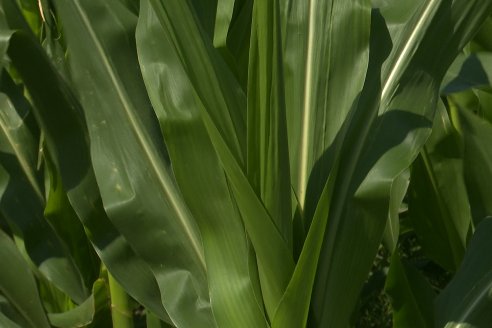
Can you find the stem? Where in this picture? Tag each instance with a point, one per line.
(121, 311)
(154, 322)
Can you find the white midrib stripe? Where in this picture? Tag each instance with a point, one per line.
(306, 109)
(431, 6)
(164, 183)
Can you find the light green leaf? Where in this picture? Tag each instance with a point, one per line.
(223, 18)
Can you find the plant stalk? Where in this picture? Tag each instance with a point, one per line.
(121, 311)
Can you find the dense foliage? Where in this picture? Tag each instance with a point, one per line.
(245, 163)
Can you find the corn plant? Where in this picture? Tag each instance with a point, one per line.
(241, 163)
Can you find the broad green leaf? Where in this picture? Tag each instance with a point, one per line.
(467, 299)
(411, 295)
(134, 177)
(58, 113)
(384, 136)
(477, 133)
(17, 284)
(199, 175)
(438, 203)
(199, 59)
(324, 73)
(215, 85)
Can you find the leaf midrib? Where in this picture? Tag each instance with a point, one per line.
(149, 154)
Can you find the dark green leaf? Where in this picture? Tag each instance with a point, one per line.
(17, 284)
(411, 295)
(438, 203)
(466, 301)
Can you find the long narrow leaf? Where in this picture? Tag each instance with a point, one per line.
(379, 147)
(198, 59)
(200, 177)
(58, 113)
(136, 183)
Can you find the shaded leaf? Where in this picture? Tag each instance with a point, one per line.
(438, 203)
(17, 284)
(411, 295)
(466, 300)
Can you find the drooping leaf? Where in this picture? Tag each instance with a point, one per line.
(137, 187)
(59, 115)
